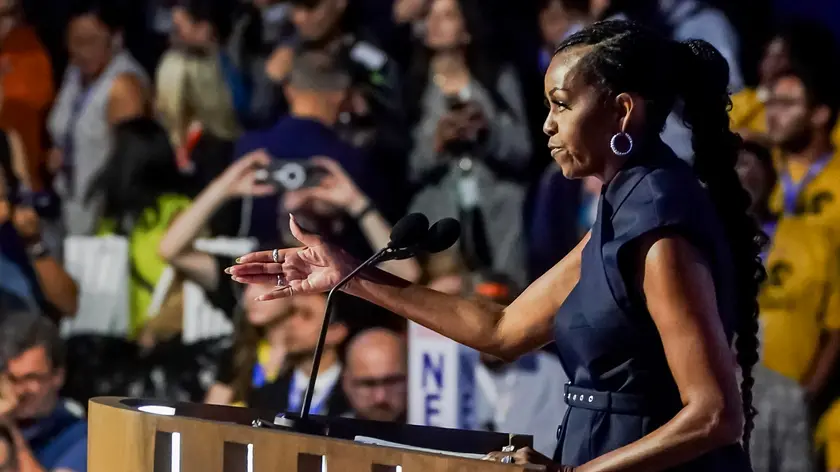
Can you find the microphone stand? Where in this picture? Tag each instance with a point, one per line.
(302, 423)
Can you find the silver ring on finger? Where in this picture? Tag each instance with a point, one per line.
(275, 255)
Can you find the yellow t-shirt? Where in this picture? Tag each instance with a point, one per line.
(819, 200)
(827, 436)
(748, 113)
(143, 254)
(801, 297)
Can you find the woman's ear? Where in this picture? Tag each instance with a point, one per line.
(625, 110)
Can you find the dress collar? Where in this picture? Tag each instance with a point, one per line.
(636, 167)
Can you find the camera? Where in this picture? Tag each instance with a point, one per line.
(463, 146)
(291, 174)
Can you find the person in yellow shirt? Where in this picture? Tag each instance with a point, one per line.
(798, 39)
(140, 191)
(800, 303)
(801, 112)
(800, 311)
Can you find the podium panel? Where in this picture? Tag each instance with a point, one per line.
(134, 435)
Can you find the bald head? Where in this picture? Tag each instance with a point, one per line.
(375, 375)
(374, 346)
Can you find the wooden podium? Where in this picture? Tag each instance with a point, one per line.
(194, 437)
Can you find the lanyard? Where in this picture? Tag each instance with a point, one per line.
(791, 190)
(78, 106)
(258, 378)
(296, 398)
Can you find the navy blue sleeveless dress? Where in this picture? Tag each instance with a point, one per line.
(621, 388)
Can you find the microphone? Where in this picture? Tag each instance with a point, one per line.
(410, 230)
(441, 236)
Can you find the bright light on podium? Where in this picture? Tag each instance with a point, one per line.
(157, 410)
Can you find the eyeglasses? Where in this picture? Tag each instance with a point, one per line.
(30, 378)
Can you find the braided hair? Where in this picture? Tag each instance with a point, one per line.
(694, 76)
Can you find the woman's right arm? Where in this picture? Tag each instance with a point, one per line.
(505, 332)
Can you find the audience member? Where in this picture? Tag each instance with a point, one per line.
(28, 268)
(800, 39)
(781, 437)
(553, 230)
(560, 19)
(259, 350)
(103, 86)
(801, 112)
(335, 27)
(780, 440)
(53, 431)
(374, 377)
(758, 176)
(470, 137)
(176, 246)
(317, 87)
(697, 19)
(28, 89)
(202, 31)
(259, 26)
(138, 194)
(461, 99)
(801, 329)
(518, 396)
(301, 331)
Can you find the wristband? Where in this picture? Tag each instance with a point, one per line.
(367, 209)
(37, 250)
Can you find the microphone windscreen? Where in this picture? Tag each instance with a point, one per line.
(442, 235)
(410, 230)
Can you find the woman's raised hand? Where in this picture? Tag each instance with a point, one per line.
(316, 267)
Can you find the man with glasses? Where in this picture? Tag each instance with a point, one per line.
(51, 432)
(375, 375)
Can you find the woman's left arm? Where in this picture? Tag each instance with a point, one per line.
(679, 290)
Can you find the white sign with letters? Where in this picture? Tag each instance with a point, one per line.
(441, 380)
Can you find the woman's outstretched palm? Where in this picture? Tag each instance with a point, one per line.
(316, 267)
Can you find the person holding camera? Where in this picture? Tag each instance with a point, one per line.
(323, 206)
(28, 270)
(455, 89)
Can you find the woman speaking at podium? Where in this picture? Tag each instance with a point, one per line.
(645, 309)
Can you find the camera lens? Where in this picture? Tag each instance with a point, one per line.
(292, 176)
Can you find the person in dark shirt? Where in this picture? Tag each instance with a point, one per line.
(317, 88)
(302, 327)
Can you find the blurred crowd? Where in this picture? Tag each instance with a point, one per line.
(144, 145)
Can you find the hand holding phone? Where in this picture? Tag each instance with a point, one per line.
(289, 175)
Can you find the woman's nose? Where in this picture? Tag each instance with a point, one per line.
(549, 126)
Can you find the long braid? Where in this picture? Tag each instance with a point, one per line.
(706, 106)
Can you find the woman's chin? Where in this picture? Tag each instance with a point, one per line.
(570, 171)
